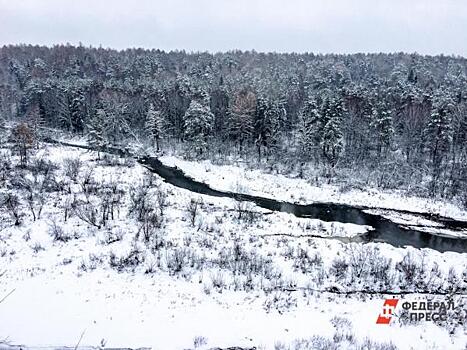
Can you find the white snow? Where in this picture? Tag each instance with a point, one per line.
(65, 289)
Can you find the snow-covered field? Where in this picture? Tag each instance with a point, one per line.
(177, 270)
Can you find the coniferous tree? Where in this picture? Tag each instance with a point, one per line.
(439, 135)
(77, 108)
(96, 130)
(309, 129)
(331, 138)
(154, 125)
(267, 129)
(198, 123)
(381, 122)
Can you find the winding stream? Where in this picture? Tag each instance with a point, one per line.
(384, 230)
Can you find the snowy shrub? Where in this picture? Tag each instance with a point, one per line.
(161, 199)
(306, 263)
(453, 281)
(176, 259)
(151, 266)
(412, 272)
(140, 201)
(92, 263)
(72, 167)
(207, 288)
(359, 257)
(281, 302)
(50, 183)
(150, 223)
(240, 261)
(288, 251)
(27, 235)
(245, 211)
(127, 262)
(206, 242)
(193, 208)
(37, 247)
(87, 182)
(199, 341)
(12, 204)
(319, 342)
(380, 270)
(343, 329)
(369, 344)
(110, 160)
(339, 268)
(435, 278)
(42, 166)
(218, 280)
(88, 213)
(5, 164)
(157, 241)
(112, 236)
(57, 232)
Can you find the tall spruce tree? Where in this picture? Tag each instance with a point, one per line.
(382, 123)
(198, 124)
(309, 128)
(154, 125)
(96, 130)
(332, 141)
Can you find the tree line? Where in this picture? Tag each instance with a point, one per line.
(396, 115)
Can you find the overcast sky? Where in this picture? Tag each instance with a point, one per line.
(340, 26)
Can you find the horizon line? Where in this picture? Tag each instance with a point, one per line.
(233, 50)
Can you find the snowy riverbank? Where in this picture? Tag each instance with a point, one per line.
(241, 179)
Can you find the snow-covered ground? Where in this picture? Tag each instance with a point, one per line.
(216, 278)
(136, 310)
(238, 177)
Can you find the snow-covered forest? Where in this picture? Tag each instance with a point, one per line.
(387, 120)
(236, 200)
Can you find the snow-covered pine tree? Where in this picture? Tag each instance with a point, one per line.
(63, 107)
(96, 130)
(268, 118)
(439, 129)
(117, 127)
(308, 129)
(154, 125)
(382, 123)
(275, 114)
(439, 135)
(332, 142)
(198, 124)
(77, 108)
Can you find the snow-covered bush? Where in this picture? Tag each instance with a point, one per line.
(193, 209)
(306, 263)
(72, 167)
(129, 261)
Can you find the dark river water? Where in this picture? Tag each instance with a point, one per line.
(384, 229)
